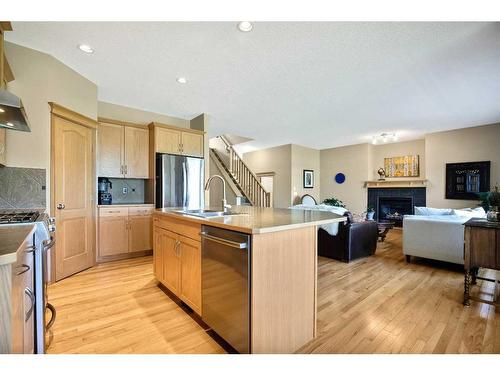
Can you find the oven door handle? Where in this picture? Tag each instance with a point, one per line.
(52, 317)
(47, 244)
(30, 294)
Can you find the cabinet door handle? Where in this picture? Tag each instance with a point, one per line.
(126, 169)
(26, 269)
(177, 249)
(30, 294)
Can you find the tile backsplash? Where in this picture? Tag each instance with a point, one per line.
(22, 188)
(135, 190)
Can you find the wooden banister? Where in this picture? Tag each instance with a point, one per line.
(243, 176)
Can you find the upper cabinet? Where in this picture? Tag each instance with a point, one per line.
(170, 140)
(123, 150)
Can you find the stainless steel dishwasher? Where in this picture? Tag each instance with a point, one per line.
(226, 285)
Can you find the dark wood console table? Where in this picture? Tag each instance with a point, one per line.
(481, 250)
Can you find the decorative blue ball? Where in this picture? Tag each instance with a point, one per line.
(339, 178)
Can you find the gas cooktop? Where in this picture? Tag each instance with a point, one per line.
(18, 216)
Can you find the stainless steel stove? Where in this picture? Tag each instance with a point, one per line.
(18, 216)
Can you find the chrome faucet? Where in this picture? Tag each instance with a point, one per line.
(225, 206)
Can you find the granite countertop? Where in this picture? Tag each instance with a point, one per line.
(11, 237)
(256, 220)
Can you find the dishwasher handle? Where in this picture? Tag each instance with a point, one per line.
(222, 241)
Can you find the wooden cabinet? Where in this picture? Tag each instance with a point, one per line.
(190, 253)
(110, 147)
(192, 144)
(123, 151)
(177, 259)
(170, 140)
(17, 299)
(124, 230)
(140, 229)
(171, 261)
(167, 141)
(481, 250)
(113, 235)
(136, 156)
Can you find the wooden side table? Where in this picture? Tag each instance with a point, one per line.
(481, 250)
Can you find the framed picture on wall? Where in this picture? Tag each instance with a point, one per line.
(308, 179)
(467, 180)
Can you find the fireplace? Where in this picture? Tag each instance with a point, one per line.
(403, 201)
(394, 208)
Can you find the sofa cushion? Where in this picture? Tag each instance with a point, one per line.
(427, 211)
(476, 213)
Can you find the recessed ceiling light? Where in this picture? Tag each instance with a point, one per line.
(245, 26)
(10, 124)
(2, 110)
(86, 48)
(182, 80)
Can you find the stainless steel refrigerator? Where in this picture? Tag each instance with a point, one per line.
(179, 181)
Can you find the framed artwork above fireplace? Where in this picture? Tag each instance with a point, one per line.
(466, 180)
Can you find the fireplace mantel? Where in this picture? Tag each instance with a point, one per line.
(395, 184)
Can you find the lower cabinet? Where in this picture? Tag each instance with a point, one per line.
(17, 334)
(177, 264)
(123, 231)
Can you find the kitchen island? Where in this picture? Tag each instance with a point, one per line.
(282, 270)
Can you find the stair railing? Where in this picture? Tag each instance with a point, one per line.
(245, 178)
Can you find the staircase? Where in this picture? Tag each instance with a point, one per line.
(247, 183)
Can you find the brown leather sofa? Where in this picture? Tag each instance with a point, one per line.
(354, 240)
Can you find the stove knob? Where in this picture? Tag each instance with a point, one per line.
(52, 220)
(52, 228)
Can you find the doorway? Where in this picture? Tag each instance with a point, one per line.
(267, 182)
(72, 190)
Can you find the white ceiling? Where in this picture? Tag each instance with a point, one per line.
(315, 84)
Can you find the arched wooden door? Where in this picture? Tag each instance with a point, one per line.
(73, 191)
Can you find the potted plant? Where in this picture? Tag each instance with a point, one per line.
(334, 202)
(370, 212)
(494, 203)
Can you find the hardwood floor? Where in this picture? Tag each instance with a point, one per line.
(117, 307)
(378, 304)
(381, 304)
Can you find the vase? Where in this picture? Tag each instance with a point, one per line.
(369, 215)
(493, 214)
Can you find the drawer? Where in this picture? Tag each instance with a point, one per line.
(113, 211)
(182, 227)
(139, 211)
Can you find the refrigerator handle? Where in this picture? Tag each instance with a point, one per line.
(184, 192)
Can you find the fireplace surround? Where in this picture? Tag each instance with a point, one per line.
(395, 200)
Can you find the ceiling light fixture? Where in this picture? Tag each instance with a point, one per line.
(85, 48)
(10, 124)
(245, 26)
(384, 138)
(182, 80)
(2, 110)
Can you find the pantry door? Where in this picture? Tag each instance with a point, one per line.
(73, 190)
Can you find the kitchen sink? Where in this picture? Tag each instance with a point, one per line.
(207, 213)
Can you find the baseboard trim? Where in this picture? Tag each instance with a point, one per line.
(112, 258)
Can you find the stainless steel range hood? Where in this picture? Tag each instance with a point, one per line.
(12, 114)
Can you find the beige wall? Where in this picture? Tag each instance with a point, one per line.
(40, 79)
(354, 162)
(304, 158)
(471, 144)
(277, 160)
(123, 113)
(379, 152)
